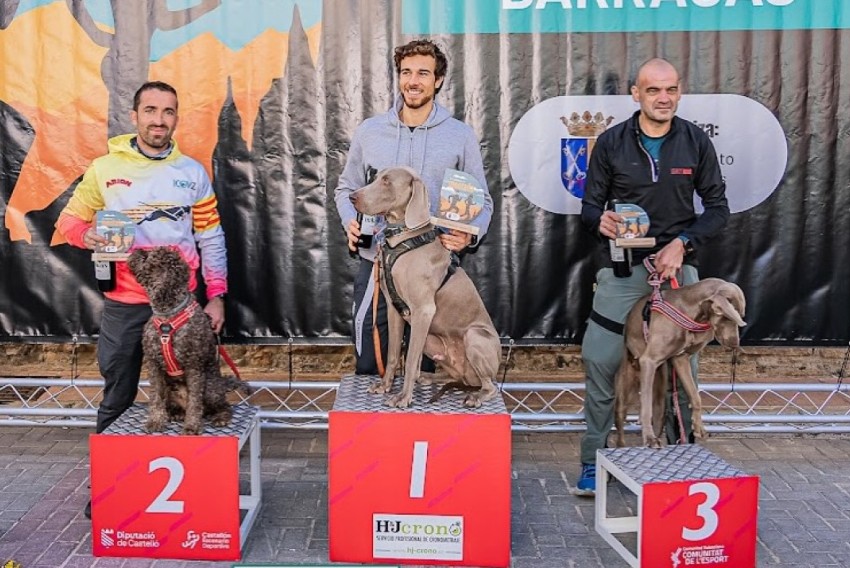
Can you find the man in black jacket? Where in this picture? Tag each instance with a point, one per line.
(657, 161)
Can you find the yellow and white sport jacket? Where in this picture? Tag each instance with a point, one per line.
(171, 201)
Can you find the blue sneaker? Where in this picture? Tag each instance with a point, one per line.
(587, 480)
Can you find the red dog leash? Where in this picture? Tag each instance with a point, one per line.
(227, 359)
(659, 305)
(674, 283)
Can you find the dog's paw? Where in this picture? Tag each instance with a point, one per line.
(152, 426)
(399, 401)
(652, 442)
(378, 388)
(700, 433)
(192, 429)
(425, 379)
(176, 414)
(221, 419)
(472, 401)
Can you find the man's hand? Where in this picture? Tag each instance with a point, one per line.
(91, 239)
(455, 240)
(353, 234)
(608, 224)
(668, 260)
(215, 310)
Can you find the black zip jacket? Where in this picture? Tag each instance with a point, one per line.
(621, 168)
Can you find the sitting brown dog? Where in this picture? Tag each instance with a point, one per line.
(179, 347)
(448, 320)
(713, 301)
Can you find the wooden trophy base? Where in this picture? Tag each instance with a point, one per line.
(111, 256)
(635, 242)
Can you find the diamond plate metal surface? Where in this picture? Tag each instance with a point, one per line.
(670, 463)
(353, 396)
(132, 422)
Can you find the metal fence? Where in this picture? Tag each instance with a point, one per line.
(551, 407)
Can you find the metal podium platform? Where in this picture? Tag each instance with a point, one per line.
(636, 467)
(354, 396)
(439, 463)
(245, 426)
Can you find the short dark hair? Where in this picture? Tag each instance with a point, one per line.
(423, 47)
(152, 86)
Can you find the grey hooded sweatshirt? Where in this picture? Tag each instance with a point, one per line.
(441, 143)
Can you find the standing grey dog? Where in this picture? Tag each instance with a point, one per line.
(714, 302)
(180, 347)
(448, 320)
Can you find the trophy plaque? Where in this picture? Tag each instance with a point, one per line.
(118, 230)
(462, 199)
(632, 230)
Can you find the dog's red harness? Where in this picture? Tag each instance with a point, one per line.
(167, 327)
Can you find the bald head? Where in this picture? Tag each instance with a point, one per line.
(654, 67)
(658, 92)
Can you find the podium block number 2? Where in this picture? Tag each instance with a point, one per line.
(705, 511)
(176, 471)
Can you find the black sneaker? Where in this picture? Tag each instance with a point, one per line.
(87, 510)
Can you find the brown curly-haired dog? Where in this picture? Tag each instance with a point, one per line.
(200, 391)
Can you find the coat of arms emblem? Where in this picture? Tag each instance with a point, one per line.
(576, 148)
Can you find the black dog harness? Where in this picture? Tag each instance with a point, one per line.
(389, 254)
(167, 326)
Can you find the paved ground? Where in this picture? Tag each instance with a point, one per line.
(804, 517)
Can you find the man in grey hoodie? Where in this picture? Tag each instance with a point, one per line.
(418, 133)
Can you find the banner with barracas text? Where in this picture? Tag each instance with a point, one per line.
(271, 91)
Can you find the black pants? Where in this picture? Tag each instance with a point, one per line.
(364, 345)
(119, 356)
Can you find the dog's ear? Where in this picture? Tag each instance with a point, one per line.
(418, 211)
(721, 306)
(136, 261)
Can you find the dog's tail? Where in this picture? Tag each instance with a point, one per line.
(458, 385)
(234, 384)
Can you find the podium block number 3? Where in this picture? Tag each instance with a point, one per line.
(176, 471)
(705, 511)
(417, 470)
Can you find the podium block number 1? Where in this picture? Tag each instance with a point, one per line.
(176, 471)
(418, 469)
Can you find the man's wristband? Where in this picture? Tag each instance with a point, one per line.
(686, 241)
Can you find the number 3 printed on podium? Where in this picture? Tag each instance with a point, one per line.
(417, 470)
(705, 510)
(175, 476)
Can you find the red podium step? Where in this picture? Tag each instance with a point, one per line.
(694, 509)
(173, 496)
(425, 485)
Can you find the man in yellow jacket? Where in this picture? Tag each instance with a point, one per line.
(171, 200)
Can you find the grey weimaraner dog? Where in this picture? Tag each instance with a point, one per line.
(448, 320)
(713, 301)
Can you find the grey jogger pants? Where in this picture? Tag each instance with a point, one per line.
(602, 350)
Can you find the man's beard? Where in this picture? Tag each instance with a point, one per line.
(422, 102)
(157, 141)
